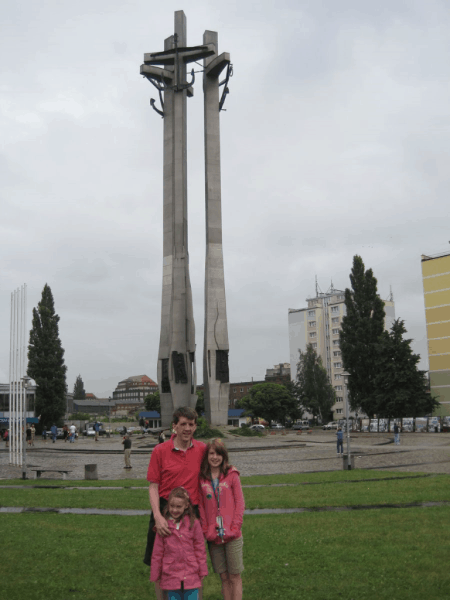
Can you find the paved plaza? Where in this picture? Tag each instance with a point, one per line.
(272, 454)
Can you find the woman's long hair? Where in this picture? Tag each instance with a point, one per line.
(220, 448)
(180, 492)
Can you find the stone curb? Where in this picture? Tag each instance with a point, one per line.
(255, 511)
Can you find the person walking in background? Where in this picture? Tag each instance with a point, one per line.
(127, 451)
(6, 438)
(340, 440)
(33, 433)
(65, 432)
(161, 438)
(222, 508)
(396, 434)
(72, 431)
(44, 433)
(179, 559)
(54, 431)
(97, 429)
(28, 432)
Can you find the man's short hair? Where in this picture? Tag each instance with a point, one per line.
(185, 411)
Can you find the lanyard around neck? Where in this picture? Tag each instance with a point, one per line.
(216, 490)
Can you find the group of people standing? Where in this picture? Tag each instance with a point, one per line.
(195, 494)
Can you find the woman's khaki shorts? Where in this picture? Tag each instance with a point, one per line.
(227, 558)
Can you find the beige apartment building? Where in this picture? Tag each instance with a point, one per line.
(436, 290)
(319, 324)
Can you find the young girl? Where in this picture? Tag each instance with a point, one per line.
(221, 511)
(179, 560)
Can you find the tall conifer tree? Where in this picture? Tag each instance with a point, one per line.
(79, 393)
(361, 329)
(312, 387)
(46, 361)
(401, 388)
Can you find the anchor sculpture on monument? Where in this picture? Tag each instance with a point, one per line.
(177, 376)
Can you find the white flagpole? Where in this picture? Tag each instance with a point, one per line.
(10, 377)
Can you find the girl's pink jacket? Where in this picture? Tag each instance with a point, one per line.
(232, 506)
(179, 557)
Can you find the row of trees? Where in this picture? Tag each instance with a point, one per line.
(383, 376)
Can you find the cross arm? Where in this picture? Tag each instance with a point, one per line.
(167, 57)
(157, 73)
(217, 65)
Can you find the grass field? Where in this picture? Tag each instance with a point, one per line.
(390, 554)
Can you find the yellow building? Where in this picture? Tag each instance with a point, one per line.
(436, 290)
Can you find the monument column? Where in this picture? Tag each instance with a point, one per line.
(215, 351)
(176, 357)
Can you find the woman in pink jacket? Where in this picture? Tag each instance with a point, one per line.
(179, 560)
(221, 513)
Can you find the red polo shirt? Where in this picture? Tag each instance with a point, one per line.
(171, 468)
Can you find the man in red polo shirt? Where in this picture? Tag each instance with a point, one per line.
(173, 464)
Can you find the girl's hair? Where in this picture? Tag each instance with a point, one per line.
(219, 447)
(180, 492)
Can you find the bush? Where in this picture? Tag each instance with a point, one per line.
(204, 430)
(246, 431)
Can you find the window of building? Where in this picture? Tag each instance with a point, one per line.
(234, 390)
(314, 345)
(242, 389)
(338, 388)
(337, 376)
(339, 411)
(313, 334)
(335, 331)
(335, 309)
(335, 320)
(338, 398)
(337, 365)
(337, 353)
(312, 323)
(335, 342)
(311, 313)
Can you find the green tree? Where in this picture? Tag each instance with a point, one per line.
(200, 406)
(46, 361)
(153, 402)
(361, 329)
(312, 387)
(270, 401)
(79, 392)
(401, 388)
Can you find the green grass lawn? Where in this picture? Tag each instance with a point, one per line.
(389, 555)
(341, 488)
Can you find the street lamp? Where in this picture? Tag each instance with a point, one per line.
(347, 411)
(26, 381)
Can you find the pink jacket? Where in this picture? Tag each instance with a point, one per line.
(180, 557)
(231, 507)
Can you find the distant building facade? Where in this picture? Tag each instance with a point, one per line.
(279, 374)
(436, 289)
(130, 393)
(319, 324)
(4, 400)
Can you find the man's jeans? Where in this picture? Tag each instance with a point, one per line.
(340, 444)
(397, 439)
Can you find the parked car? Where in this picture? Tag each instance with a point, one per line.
(331, 425)
(90, 431)
(299, 427)
(257, 427)
(277, 426)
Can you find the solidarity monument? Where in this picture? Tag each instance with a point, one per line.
(167, 71)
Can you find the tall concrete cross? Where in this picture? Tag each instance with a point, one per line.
(176, 358)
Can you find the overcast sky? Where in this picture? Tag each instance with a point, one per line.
(335, 142)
